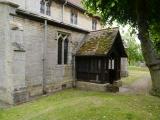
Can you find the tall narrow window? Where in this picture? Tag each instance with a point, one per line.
(45, 7)
(48, 8)
(74, 17)
(113, 64)
(110, 64)
(63, 42)
(65, 51)
(60, 40)
(42, 8)
(94, 24)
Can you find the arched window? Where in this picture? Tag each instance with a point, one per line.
(60, 40)
(65, 51)
(42, 7)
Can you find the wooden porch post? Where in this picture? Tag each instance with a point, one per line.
(103, 70)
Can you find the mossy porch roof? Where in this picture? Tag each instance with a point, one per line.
(98, 42)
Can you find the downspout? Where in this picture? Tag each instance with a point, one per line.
(63, 10)
(44, 55)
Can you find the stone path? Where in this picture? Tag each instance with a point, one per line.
(140, 86)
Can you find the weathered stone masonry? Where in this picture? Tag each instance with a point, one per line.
(29, 50)
(23, 49)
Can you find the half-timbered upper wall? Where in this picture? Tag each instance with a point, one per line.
(83, 21)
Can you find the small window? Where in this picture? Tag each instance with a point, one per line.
(42, 8)
(94, 24)
(65, 51)
(45, 7)
(48, 8)
(111, 64)
(74, 17)
(60, 40)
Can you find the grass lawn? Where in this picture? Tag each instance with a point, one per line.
(82, 105)
(135, 73)
(74, 104)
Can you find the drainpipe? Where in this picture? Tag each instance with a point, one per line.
(63, 10)
(44, 55)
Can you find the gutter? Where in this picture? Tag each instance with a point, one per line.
(37, 17)
(76, 6)
(70, 4)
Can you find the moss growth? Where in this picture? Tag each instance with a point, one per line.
(104, 45)
(98, 42)
(88, 46)
(99, 46)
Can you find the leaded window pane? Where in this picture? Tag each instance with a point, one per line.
(65, 51)
(60, 50)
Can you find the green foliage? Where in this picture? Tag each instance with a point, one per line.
(133, 48)
(124, 11)
(83, 105)
(134, 52)
(155, 35)
(138, 69)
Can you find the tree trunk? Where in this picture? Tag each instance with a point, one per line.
(149, 53)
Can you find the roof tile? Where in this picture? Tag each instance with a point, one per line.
(98, 42)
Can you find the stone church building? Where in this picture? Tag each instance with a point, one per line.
(40, 42)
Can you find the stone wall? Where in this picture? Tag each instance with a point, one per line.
(55, 77)
(27, 69)
(84, 21)
(99, 87)
(28, 57)
(6, 52)
(124, 67)
(21, 3)
(60, 75)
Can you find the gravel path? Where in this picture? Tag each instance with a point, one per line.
(140, 86)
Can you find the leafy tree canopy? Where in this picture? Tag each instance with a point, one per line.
(155, 35)
(133, 48)
(124, 11)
